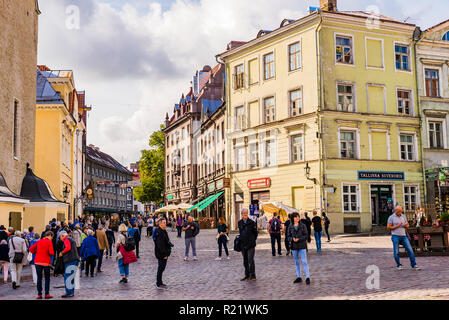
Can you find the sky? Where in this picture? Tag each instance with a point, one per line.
(135, 58)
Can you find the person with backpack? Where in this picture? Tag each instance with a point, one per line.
(327, 222)
(134, 232)
(76, 235)
(317, 230)
(162, 251)
(287, 242)
(297, 234)
(90, 251)
(274, 229)
(191, 230)
(71, 259)
(247, 244)
(17, 254)
(125, 252)
(42, 252)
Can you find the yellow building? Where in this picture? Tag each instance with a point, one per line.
(321, 115)
(55, 126)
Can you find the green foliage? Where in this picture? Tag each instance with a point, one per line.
(445, 217)
(152, 170)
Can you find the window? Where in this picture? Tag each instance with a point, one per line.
(432, 83)
(350, 203)
(435, 134)
(404, 102)
(270, 153)
(402, 57)
(253, 71)
(182, 133)
(240, 158)
(446, 36)
(16, 129)
(238, 76)
(297, 151)
(347, 144)
(268, 62)
(269, 109)
(239, 118)
(294, 51)
(410, 198)
(407, 147)
(345, 97)
(295, 102)
(343, 48)
(253, 155)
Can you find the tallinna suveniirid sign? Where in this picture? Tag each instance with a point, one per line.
(380, 175)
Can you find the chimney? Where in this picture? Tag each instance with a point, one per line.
(328, 5)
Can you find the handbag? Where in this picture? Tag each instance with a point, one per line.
(30, 257)
(59, 266)
(18, 256)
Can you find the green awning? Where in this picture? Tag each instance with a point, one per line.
(198, 204)
(211, 199)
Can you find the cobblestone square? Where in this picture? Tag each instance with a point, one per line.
(338, 272)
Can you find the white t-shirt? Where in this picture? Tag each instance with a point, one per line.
(150, 222)
(394, 220)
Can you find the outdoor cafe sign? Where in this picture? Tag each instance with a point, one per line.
(381, 175)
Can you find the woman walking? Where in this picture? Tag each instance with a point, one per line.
(33, 266)
(90, 251)
(179, 223)
(222, 238)
(297, 234)
(327, 222)
(17, 257)
(4, 259)
(121, 241)
(42, 251)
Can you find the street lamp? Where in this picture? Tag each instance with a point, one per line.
(65, 193)
(307, 172)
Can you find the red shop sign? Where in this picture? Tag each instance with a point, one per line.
(259, 183)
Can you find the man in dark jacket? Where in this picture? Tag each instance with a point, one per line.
(162, 250)
(308, 223)
(3, 233)
(248, 236)
(71, 259)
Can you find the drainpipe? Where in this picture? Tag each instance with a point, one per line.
(319, 122)
(418, 104)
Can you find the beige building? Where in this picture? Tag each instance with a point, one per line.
(18, 52)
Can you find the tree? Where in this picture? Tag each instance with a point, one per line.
(152, 170)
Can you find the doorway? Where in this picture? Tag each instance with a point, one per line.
(381, 203)
(238, 206)
(15, 220)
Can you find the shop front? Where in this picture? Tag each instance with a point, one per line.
(437, 182)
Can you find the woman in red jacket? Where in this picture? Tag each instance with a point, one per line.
(43, 249)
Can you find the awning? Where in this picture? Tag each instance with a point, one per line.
(198, 204)
(211, 200)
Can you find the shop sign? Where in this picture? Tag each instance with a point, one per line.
(211, 187)
(186, 194)
(220, 184)
(170, 197)
(380, 175)
(259, 183)
(227, 182)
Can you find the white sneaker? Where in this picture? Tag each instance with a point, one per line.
(399, 267)
(195, 258)
(416, 268)
(218, 259)
(186, 259)
(228, 257)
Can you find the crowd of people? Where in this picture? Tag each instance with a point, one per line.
(76, 247)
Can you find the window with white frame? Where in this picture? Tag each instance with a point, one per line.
(253, 155)
(410, 198)
(404, 102)
(268, 62)
(270, 153)
(295, 102)
(294, 51)
(238, 76)
(239, 158)
(350, 198)
(240, 118)
(402, 57)
(348, 144)
(407, 147)
(345, 97)
(343, 50)
(436, 134)
(269, 110)
(297, 148)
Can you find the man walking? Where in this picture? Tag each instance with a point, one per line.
(162, 250)
(317, 230)
(308, 223)
(191, 229)
(103, 244)
(135, 233)
(150, 222)
(397, 223)
(274, 229)
(248, 236)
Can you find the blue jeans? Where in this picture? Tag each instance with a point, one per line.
(69, 277)
(318, 240)
(297, 254)
(192, 242)
(397, 240)
(123, 268)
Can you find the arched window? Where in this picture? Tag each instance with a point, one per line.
(446, 36)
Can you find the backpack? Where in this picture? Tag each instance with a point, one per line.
(237, 244)
(154, 235)
(130, 244)
(275, 225)
(196, 231)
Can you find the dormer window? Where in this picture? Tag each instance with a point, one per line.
(446, 36)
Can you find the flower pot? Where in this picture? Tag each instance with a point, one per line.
(428, 230)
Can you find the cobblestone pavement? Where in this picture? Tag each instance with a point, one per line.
(338, 272)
